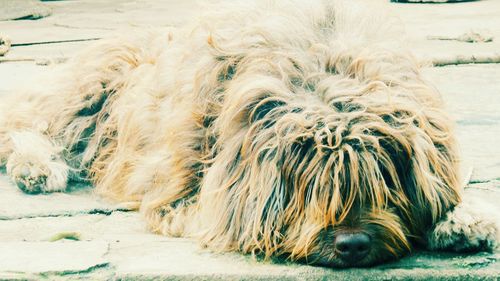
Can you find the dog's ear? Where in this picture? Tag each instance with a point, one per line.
(428, 192)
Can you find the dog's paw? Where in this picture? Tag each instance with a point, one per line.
(35, 166)
(35, 177)
(464, 230)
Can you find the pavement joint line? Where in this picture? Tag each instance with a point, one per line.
(54, 42)
(484, 180)
(69, 214)
(495, 59)
(81, 27)
(483, 188)
(104, 265)
(4, 60)
(27, 59)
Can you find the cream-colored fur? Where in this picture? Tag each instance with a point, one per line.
(35, 165)
(265, 127)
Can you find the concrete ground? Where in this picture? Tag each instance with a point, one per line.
(106, 241)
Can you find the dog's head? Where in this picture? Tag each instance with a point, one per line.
(339, 171)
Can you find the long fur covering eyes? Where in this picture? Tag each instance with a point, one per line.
(262, 127)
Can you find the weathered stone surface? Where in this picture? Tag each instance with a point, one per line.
(23, 9)
(118, 245)
(42, 257)
(423, 22)
(14, 75)
(170, 260)
(45, 52)
(81, 201)
(90, 19)
(116, 226)
(472, 94)
(84, 19)
(80, 20)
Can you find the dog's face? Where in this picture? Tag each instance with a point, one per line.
(335, 179)
(351, 185)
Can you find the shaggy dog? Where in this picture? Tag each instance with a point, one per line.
(289, 129)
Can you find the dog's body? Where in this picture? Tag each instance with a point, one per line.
(271, 129)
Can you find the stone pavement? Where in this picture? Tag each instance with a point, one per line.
(79, 236)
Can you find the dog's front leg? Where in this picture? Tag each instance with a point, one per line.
(471, 226)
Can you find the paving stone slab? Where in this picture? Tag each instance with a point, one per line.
(15, 75)
(169, 259)
(119, 246)
(23, 9)
(114, 228)
(470, 91)
(82, 201)
(36, 54)
(118, 226)
(111, 14)
(90, 19)
(47, 30)
(62, 256)
(97, 19)
(347, 275)
(84, 20)
(472, 95)
(423, 22)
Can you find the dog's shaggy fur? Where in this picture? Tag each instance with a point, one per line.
(268, 128)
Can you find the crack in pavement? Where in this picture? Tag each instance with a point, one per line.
(483, 181)
(91, 269)
(82, 27)
(106, 212)
(491, 180)
(38, 61)
(54, 42)
(495, 59)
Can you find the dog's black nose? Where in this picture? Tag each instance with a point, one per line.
(352, 247)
